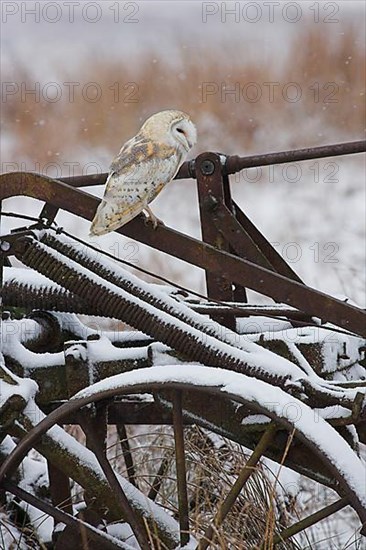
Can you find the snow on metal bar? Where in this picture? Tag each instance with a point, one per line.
(336, 454)
(331, 445)
(116, 274)
(159, 324)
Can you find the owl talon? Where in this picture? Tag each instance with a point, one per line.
(151, 218)
(154, 222)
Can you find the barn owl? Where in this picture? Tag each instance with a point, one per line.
(143, 167)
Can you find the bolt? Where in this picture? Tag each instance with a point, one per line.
(5, 246)
(207, 167)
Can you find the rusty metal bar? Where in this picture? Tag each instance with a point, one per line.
(243, 310)
(210, 190)
(239, 291)
(60, 516)
(268, 251)
(236, 163)
(138, 413)
(127, 455)
(90, 427)
(18, 294)
(241, 480)
(234, 269)
(158, 479)
(309, 521)
(241, 242)
(181, 467)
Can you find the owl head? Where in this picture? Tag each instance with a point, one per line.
(171, 127)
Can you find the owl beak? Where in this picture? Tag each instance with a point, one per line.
(188, 143)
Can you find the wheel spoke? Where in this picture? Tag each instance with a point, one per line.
(127, 455)
(181, 467)
(310, 520)
(155, 487)
(241, 480)
(136, 522)
(62, 517)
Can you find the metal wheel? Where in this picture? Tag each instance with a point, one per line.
(162, 503)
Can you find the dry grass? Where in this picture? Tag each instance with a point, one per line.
(211, 471)
(74, 130)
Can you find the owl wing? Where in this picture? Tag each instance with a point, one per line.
(139, 172)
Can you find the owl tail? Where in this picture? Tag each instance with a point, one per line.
(110, 217)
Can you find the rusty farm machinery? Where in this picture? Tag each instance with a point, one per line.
(293, 394)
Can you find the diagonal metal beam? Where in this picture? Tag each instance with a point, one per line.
(90, 427)
(244, 474)
(309, 521)
(240, 240)
(62, 517)
(235, 269)
(267, 250)
(239, 291)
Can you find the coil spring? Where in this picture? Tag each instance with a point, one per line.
(24, 295)
(124, 282)
(37, 256)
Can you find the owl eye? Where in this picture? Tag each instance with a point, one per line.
(180, 131)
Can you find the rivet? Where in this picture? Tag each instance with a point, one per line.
(207, 167)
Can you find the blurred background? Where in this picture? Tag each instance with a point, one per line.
(78, 79)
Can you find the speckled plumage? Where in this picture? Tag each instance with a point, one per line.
(144, 165)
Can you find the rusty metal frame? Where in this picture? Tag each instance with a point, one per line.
(77, 404)
(244, 272)
(213, 189)
(211, 192)
(234, 254)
